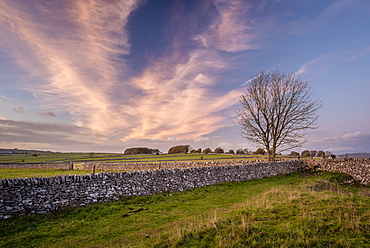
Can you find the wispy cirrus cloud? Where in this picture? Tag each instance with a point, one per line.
(234, 29)
(179, 88)
(365, 51)
(72, 48)
(178, 100)
(319, 64)
(78, 53)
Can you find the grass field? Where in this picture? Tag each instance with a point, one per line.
(52, 157)
(296, 210)
(112, 157)
(27, 173)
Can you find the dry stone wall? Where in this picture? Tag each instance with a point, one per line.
(359, 169)
(57, 166)
(44, 195)
(127, 166)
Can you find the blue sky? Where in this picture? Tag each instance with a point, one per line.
(94, 75)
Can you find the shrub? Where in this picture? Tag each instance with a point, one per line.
(231, 152)
(321, 154)
(179, 149)
(207, 150)
(140, 150)
(295, 154)
(260, 151)
(313, 153)
(219, 150)
(196, 151)
(305, 153)
(240, 151)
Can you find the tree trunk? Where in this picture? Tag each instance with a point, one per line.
(271, 154)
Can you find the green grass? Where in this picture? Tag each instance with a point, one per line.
(27, 173)
(119, 158)
(296, 210)
(52, 157)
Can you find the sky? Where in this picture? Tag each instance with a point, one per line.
(106, 75)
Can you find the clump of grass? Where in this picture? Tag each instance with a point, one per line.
(326, 185)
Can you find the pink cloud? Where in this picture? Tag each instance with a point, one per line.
(235, 28)
(72, 61)
(74, 51)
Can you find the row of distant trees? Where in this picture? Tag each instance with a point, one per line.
(259, 151)
(186, 149)
(220, 150)
(313, 153)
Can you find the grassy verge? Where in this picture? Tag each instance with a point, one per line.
(310, 210)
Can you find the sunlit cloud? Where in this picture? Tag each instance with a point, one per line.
(179, 97)
(76, 52)
(175, 98)
(319, 64)
(352, 135)
(230, 31)
(305, 68)
(73, 48)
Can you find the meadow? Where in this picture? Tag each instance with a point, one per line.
(310, 209)
(114, 157)
(27, 173)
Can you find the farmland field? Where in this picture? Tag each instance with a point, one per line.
(26, 173)
(104, 157)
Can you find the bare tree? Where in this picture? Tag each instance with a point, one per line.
(276, 108)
